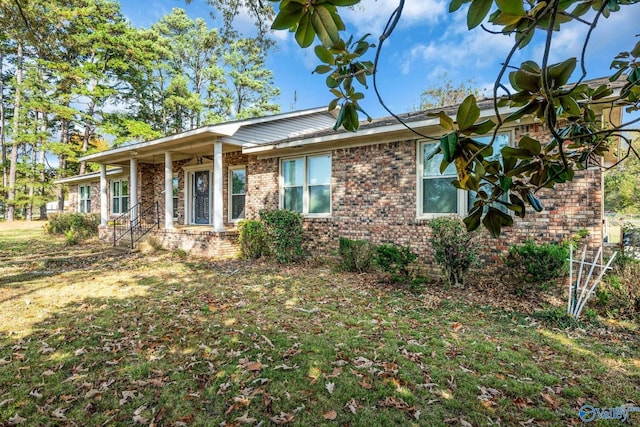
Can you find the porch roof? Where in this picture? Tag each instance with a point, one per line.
(88, 177)
(234, 135)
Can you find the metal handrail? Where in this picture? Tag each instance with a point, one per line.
(134, 226)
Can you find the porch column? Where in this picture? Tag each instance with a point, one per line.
(133, 187)
(218, 217)
(104, 201)
(168, 190)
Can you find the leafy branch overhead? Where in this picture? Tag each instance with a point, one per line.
(507, 182)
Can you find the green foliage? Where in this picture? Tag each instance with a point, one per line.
(533, 266)
(252, 239)
(73, 225)
(455, 249)
(619, 292)
(540, 91)
(395, 260)
(356, 255)
(283, 230)
(622, 187)
(557, 318)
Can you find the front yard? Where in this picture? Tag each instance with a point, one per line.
(92, 335)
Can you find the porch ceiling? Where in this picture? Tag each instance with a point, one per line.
(180, 148)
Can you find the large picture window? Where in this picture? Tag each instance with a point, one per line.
(119, 196)
(237, 192)
(436, 193)
(306, 184)
(84, 198)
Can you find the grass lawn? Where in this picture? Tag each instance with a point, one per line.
(92, 335)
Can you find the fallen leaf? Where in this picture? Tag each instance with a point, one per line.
(331, 415)
(352, 405)
(59, 414)
(6, 402)
(282, 418)
(253, 366)
(79, 352)
(330, 387)
(550, 400)
(91, 393)
(245, 419)
(138, 419)
(16, 419)
(35, 393)
(4, 361)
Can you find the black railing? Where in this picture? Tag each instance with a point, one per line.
(136, 222)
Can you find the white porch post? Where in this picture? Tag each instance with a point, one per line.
(218, 217)
(104, 201)
(168, 190)
(133, 187)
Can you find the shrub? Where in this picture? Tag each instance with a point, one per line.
(619, 292)
(455, 249)
(355, 255)
(74, 226)
(535, 266)
(283, 229)
(395, 260)
(557, 318)
(252, 239)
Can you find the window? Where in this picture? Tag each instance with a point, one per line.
(119, 196)
(84, 198)
(237, 192)
(175, 191)
(306, 184)
(436, 194)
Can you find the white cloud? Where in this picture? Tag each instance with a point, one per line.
(371, 16)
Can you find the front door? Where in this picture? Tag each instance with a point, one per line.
(201, 196)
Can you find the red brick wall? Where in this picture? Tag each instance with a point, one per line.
(374, 198)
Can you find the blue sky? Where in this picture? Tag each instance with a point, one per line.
(427, 42)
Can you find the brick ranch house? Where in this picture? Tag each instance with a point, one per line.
(376, 184)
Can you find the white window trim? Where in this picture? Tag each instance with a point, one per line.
(189, 172)
(175, 199)
(80, 199)
(111, 196)
(305, 185)
(230, 191)
(462, 195)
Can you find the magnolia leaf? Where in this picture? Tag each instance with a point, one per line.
(446, 122)
(518, 205)
(448, 146)
(534, 202)
(344, 2)
(481, 128)
(324, 55)
(472, 221)
(456, 4)
(512, 7)
(495, 219)
(288, 16)
(324, 25)
(305, 33)
(468, 113)
(477, 12)
(559, 74)
(322, 69)
(531, 145)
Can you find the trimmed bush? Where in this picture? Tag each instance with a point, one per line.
(252, 239)
(535, 266)
(283, 230)
(455, 249)
(74, 226)
(355, 255)
(395, 260)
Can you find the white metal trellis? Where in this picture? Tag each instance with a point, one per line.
(582, 289)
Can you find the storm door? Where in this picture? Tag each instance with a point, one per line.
(201, 192)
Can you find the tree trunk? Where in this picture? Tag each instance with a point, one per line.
(11, 196)
(87, 134)
(41, 158)
(3, 146)
(62, 166)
